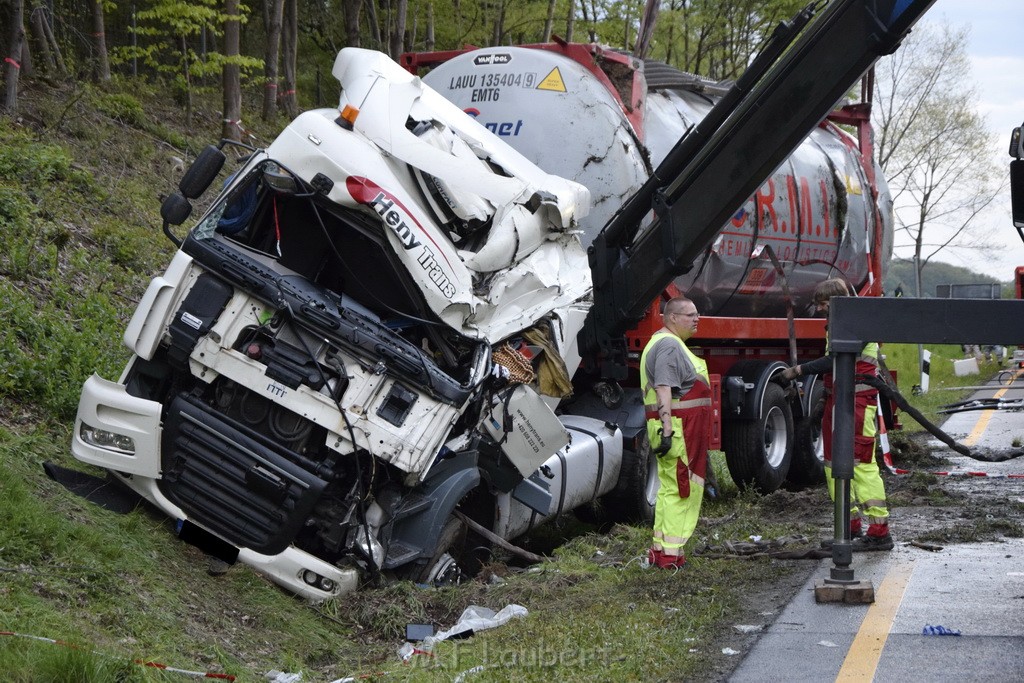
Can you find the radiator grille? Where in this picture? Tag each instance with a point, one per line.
(232, 480)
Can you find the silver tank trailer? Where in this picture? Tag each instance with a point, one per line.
(816, 212)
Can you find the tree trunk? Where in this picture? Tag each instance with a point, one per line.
(36, 20)
(499, 25)
(371, 11)
(289, 48)
(187, 76)
(62, 69)
(27, 65)
(398, 31)
(352, 9)
(271, 58)
(570, 18)
(430, 42)
(12, 63)
(102, 72)
(549, 22)
(232, 129)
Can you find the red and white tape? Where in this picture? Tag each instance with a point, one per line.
(141, 662)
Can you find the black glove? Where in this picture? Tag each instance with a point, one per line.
(666, 443)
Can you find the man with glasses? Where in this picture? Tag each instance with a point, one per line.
(677, 401)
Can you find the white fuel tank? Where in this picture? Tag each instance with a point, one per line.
(816, 212)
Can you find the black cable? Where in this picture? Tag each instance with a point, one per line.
(892, 393)
(361, 503)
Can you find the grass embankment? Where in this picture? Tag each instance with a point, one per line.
(945, 387)
(80, 176)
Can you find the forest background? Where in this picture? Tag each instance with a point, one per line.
(279, 52)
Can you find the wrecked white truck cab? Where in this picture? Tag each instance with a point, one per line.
(367, 330)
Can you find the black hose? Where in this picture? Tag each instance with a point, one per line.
(888, 389)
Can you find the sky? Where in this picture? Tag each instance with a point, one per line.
(996, 52)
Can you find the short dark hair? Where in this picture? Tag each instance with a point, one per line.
(675, 305)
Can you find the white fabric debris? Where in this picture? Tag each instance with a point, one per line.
(474, 618)
(275, 676)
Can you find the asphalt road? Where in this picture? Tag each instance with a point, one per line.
(975, 590)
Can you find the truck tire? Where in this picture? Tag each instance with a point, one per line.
(758, 451)
(808, 466)
(633, 501)
(444, 568)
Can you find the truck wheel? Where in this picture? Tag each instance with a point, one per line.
(808, 466)
(758, 451)
(638, 481)
(443, 568)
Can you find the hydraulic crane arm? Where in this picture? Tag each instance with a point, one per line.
(807, 67)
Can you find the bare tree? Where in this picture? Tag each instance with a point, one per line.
(231, 73)
(933, 146)
(102, 72)
(289, 50)
(398, 30)
(36, 21)
(549, 22)
(430, 40)
(47, 24)
(12, 63)
(352, 9)
(274, 14)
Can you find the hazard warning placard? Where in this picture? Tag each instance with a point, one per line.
(553, 81)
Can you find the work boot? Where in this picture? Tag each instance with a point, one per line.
(870, 543)
(856, 531)
(877, 538)
(659, 560)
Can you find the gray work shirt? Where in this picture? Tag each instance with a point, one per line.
(668, 365)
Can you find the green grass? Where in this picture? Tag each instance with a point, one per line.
(945, 387)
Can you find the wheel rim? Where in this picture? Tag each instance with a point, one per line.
(653, 483)
(818, 443)
(445, 572)
(775, 437)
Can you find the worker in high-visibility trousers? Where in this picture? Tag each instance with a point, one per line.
(677, 401)
(867, 491)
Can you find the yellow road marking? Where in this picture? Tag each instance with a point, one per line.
(982, 424)
(862, 659)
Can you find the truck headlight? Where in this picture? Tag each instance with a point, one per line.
(108, 440)
(317, 581)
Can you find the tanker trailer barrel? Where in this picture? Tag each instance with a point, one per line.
(771, 120)
(622, 227)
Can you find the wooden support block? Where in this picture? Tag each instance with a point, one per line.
(858, 592)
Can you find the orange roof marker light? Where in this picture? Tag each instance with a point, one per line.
(348, 117)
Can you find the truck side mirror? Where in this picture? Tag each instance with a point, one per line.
(1017, 181)
(1017, 193)
(175, 210)
(201, 174)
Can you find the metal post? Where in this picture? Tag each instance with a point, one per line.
(842, 463)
